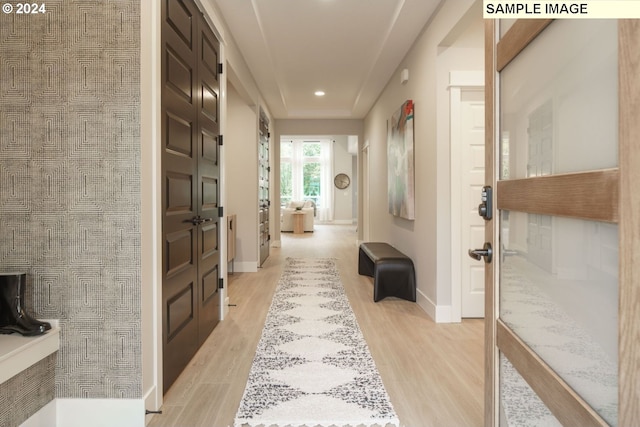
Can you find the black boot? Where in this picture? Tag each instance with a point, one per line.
(23, 287)
(13, 318)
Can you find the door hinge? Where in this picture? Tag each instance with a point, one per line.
(220, 212)
(220, 140)
(268, 236)
(268, 202)
(220, 283)
(220, 68)
(268, 134)
(268, 168)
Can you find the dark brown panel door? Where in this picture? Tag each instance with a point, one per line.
(190, 175)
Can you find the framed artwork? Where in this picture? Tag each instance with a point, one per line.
(400, 167)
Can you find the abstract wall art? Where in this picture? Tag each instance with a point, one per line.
(400, 145)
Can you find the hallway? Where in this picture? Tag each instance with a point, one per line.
(433, 373)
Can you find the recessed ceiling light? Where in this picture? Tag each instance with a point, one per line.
(319, 93)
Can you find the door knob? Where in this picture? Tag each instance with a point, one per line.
(486, 252)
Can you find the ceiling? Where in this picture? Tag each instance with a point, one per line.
(347, 48)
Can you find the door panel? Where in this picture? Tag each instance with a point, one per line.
(179, 251)
(179, 75)
(190, 182)
(552, 313)
(178, 193)
(179, 15)
(179, 133)
(209, 147)
(180, 310)
(557, 195)
(209, 103)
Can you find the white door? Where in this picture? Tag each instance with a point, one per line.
(472, 181)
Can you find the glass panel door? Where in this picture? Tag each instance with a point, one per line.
(557, 300)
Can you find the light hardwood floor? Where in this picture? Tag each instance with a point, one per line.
(432, 372)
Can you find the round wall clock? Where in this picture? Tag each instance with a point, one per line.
(342, 181)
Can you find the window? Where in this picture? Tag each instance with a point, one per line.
(305, 170)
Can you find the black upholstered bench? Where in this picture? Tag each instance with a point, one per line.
(392, 271)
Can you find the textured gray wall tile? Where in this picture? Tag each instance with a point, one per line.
(70, 185)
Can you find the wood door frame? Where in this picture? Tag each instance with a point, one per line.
(459, 82)
(629, 225)
(491, 389)
(617, 203)
(364, 179)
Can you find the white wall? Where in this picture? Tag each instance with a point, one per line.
(452, 41)
(342, 163)
(241, 178)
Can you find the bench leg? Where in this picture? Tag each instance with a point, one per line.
(394, 280)
(365, 265)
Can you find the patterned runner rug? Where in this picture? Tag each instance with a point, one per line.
(312, 366)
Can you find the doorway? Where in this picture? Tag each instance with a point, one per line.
(466, 93)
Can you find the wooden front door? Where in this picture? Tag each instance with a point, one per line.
(190, 184)
(563, 150)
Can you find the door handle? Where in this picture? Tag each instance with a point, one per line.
(486, 252)
(196, 220)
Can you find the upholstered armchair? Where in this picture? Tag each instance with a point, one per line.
(307, 207)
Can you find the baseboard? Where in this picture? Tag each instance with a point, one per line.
(439, 313)
(443, 314)
(151, 399)
(89, 412)
(244, 267)
(100, 412)
(342, 222)
(426, 304)
(44, 417)
(225, 308)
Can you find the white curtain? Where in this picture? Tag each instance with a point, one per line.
(296, 172)
(325, 208)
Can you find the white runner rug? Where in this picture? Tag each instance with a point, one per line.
(312, 366)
